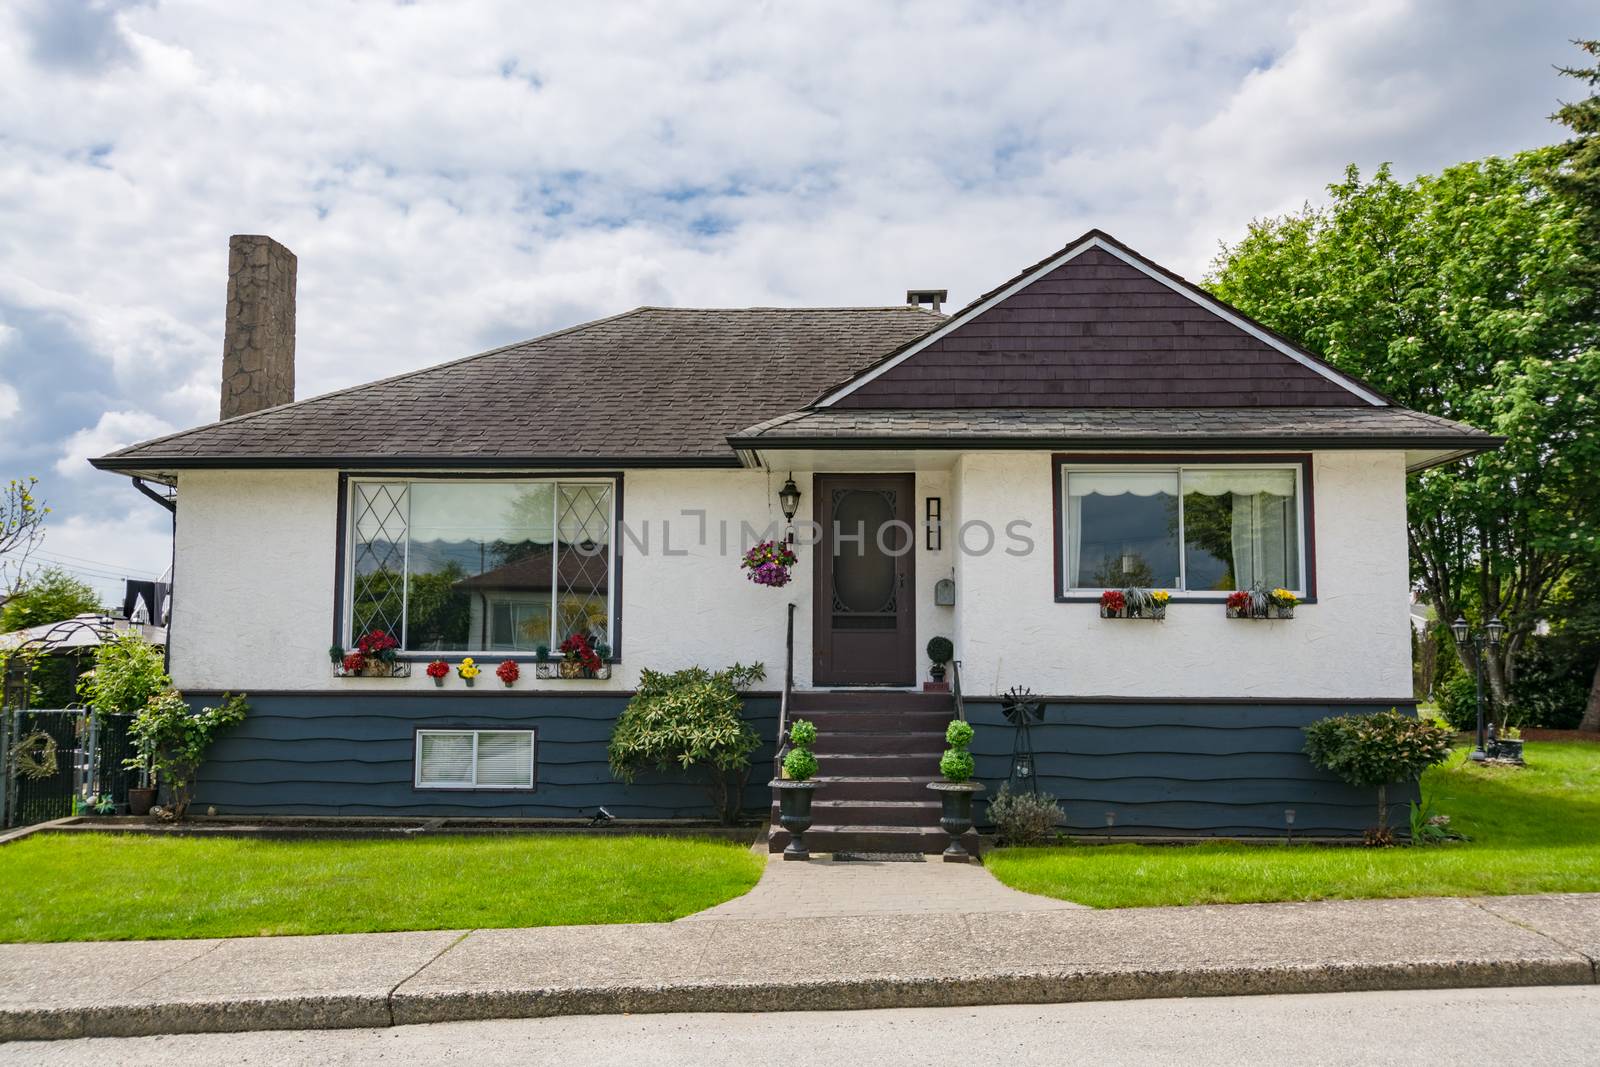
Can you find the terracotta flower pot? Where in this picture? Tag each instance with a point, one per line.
(140, 801)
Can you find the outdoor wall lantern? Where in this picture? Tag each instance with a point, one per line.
(1489, 637)
(789, 501)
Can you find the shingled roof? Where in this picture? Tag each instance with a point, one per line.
(652, 385)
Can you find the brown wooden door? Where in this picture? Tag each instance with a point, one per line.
(865, 609)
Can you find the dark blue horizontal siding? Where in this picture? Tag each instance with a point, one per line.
(1166, 768)
(338, 754)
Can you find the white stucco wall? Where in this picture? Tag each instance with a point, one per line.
(254, 590)
(1352, 643)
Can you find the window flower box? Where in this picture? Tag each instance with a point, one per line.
(1260, 604)
(375, 668)
(1134, 603)
(566, 670)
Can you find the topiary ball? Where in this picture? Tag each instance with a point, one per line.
(940, 650)
(956, 765)
(803, 733)
(799, 764)
(958, 734)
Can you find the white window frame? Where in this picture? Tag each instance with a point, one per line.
(1303, 520)
(347, 594)
(476, 732)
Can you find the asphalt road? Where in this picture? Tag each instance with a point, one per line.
(1435, 1028)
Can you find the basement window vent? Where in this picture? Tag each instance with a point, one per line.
(475, 759)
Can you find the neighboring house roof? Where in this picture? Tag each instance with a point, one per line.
(1095, 346)
(1433, 439)
(532, 573)
(1099, 325)
(663, 385)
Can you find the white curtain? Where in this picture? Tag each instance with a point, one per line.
(1265, 538)
(1132, 482)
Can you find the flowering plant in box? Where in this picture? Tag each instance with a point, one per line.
(378, 645)
(1284, 601)
(438, 670)
(508, 672)
(769, 563)
(353, 662)
(1239, 604)
(577, 649)
(1161, 596)
(1112, 603)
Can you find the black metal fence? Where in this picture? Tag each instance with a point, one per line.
(57, 762)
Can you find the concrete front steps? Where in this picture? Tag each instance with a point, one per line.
(877, 751)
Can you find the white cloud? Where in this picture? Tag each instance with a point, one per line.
(10, 401)
(116, 429)
(459, 175)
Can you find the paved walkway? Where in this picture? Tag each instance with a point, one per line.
(822, 887)
(118, 989)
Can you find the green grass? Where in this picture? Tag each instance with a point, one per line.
(1534, 830)
(93, 887)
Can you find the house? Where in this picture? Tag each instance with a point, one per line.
(1094, 423)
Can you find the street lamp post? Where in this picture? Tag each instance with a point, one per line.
(1488, 637)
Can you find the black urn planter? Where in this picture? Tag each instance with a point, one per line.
(1509, 749)
(794, 814)
(956, 815)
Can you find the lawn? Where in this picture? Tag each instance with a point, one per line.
(92, 887)
(1534, 830)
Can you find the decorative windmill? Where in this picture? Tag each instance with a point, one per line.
(1022, 709)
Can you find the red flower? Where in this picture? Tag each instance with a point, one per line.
(376, 642)
(508, 671)
(1113, 601)
(1239, 601)
(353, 661)
(578, 650)
(438, 669)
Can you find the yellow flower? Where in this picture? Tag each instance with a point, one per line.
(1283, 596)
(468, 668)
(1161, 596)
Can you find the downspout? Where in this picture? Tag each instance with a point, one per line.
(171, 504)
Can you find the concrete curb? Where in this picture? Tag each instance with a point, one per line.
(341, 1011)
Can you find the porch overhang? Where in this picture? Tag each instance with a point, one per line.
(823, 438)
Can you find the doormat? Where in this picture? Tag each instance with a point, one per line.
(877, 857)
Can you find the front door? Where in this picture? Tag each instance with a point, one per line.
(865, 610)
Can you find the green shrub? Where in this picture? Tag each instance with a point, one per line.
(128, 671)
(689, 721)
(803, 734)
(956, 764)
(940, 650)
(1458, 701)
(1552, 685)
(1024, 818)
(1377, 751)
(170, 741)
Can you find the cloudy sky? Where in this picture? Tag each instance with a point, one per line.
(457, 175)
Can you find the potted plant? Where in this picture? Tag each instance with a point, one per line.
(580, 660)
(438, 670)
(508, 672)
(468, 670)
(170, 742)
(378, 648)
(1283, 602)
(940, 652)
(768, 563)
(1112, 604)
(957, 789)
(796, 787)
(1506, 745)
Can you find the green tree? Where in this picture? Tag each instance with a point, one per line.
(1460, 294)
(21, 530)
(128, 671)
(49, 596)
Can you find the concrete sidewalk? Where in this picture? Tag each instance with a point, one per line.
(835, 962)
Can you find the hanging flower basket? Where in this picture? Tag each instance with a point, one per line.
(769, 563)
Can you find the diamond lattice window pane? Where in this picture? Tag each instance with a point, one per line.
(378, 557)
(583, 561)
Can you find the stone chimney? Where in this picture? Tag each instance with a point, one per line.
(258, 339)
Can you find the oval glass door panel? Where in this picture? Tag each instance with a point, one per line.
(864, 575)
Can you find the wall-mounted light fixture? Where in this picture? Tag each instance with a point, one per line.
(789, 501)
(934, 523)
